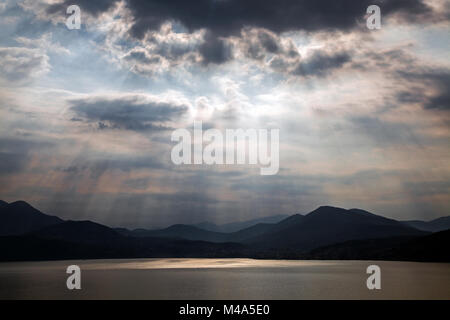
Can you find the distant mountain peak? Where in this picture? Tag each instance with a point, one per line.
(439, 224)
(363, 212)
(19, 217)
(327, 209)
(23, 205)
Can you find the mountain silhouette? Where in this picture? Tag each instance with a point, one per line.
(325, 233)
(236, 226)
(327, 225)
(19, 218)
(80, 232)
(189, 232)
(181, 231)
(439, 224)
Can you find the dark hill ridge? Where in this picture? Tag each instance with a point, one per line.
(79, 232)
(189, 232)
(327, 225)
(19, 218)
(236, 226)
(439, 224)
(332, 232)
(182, 231)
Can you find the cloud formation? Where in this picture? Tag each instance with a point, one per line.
(19, 64)
(134, 112)
(436, 79)
(228, 17)
(321, 64)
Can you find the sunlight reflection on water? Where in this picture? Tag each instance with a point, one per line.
(203, 263)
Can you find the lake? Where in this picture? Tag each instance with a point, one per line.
(223, 279)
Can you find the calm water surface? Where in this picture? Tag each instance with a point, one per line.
(223, 279)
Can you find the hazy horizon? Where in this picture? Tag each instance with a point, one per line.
(231, 221)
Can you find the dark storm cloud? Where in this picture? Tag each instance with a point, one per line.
(439, 102)
(436, 80)
(228, 17)
(259, 43)
(321, 64)
(129, 113)
(269, 42)
(224, 18)
(214, 50)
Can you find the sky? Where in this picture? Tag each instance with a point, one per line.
(86, 115)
